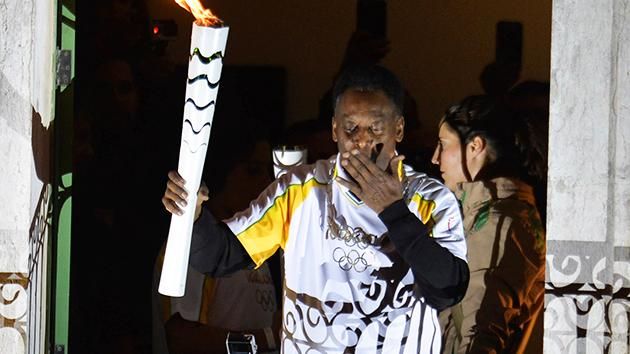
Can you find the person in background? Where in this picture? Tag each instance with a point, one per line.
(482, 152)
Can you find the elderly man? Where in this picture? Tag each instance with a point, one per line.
(372, 249)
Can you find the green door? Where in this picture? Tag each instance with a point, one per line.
(62, 185)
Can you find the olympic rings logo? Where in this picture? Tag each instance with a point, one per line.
(352, 259)
(258, 277)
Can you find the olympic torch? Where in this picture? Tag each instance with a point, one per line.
(207, 47)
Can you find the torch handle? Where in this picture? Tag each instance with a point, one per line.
(175, 266)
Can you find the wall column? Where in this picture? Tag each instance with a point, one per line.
(27, 87)
(587, 301)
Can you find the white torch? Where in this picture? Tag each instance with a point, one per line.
(207, 47)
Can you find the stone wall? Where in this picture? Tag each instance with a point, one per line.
(588, 236)
(27, 41)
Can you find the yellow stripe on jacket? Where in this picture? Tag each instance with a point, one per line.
(425, 208)
(263, 237)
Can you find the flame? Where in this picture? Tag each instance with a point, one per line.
(203, 16)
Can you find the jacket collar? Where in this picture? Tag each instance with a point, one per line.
(477, 193)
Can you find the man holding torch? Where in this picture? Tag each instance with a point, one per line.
(372, 249)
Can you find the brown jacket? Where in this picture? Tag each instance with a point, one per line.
(506, 254)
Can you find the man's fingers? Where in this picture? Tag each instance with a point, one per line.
(176, 193)
(176, 177)
(171, 206)
(176, 198)
(364, 164)
(384, 157)
(351, 186)
(358, 166)
(176, 189)
(352, 168)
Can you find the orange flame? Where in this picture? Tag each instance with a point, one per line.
(203, 16)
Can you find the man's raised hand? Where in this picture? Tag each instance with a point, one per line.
(377, 188)
(174, 198)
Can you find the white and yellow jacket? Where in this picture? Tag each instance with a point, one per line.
(374, 288)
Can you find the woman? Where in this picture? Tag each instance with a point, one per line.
(484, 159)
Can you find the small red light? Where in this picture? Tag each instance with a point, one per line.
(156, 29)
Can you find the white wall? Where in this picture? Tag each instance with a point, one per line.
(15, 130)
(27, 33)
(588, 235)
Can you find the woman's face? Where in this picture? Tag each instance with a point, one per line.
(448, 155)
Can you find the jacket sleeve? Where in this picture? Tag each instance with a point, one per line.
(511, 293)
(441, 276)
(214, 249)
(251, 236)
(263, 227)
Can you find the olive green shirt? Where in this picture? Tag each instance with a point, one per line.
(506, 255)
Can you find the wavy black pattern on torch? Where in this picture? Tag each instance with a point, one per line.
(205, 60)
(191, 149)
(211, 85)
(200, 129)
(199, 108)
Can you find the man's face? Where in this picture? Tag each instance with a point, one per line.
(367, 121)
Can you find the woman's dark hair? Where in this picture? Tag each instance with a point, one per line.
(509, 137)
(370, 78)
